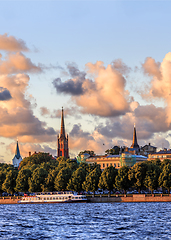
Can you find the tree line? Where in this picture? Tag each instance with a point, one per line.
(41, 173)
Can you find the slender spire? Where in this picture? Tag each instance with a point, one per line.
(17, 152)
(134, 142)
(62, 124)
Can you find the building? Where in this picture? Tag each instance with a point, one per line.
(163, 154)
(147, 149)
(127, 157)
(117, 161)
(135, 147)
(62, 141)
(17, 158)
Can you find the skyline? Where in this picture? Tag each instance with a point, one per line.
(107, 63)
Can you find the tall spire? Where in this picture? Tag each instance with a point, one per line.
(17, 152)
(134, 142)
(62, 124)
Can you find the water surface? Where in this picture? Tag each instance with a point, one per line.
(86, 221)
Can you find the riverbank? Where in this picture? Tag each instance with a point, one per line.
(107, 198)
(131, 198)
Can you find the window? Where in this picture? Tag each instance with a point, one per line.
(103, 165)
(107, 165)
(111, 164)
(118, 165)
(114, 164)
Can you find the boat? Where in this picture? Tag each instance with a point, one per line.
(53, 197)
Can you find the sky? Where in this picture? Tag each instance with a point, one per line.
(107, 63)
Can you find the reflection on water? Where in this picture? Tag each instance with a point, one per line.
(86, 221)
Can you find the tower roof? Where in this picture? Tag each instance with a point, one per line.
(17, 152)
(134, 141)
(62, 124)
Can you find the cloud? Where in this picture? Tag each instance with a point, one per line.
(18, 63)
(17, 117)
(161, 82)
(120, 66)
(10, 43)
(25, 148)
(4, 94)
(152, 68)
(104, 96)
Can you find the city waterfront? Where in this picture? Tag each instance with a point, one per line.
(86, 221)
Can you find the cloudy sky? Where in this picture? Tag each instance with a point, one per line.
(108, 63)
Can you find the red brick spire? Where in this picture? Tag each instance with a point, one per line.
(62, 140)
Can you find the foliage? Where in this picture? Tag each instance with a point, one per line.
(165, 177)
(62, 179)
(152, 175)
(113, 151)
(10, 182)
(37, 158)
(107, 178)
(91, 153)
(22, 180)
(92, 180)
(37, 180)
(137, 174)
(122, 181)
(77, 179)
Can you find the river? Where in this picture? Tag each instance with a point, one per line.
(86, 221)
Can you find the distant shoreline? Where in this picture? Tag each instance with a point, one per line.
(111, 199)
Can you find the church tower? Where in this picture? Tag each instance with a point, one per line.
(62, 140)
(134, 142)
(17, 158)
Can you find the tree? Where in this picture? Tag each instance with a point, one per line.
(107, 178)
(37, 180)
(37, 158)
(165, 177)
(152, 176)
(22, 180)
(49, 181)
(122, 181)
(92, 180)
(77, 179)
(113, 151)
(91, 153)
(137, 174)
(62, 179)
(9, 183)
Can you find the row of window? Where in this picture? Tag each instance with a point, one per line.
(103, 165)
(160, 156)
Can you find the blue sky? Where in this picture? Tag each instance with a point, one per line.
(65, 34)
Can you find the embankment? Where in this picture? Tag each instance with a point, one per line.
(131, 198)
(9, 200)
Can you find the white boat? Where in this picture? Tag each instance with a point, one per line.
(53, 197)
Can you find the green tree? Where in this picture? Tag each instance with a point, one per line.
(37, 180)
(37, 158)
(22, 180)
(49, 181)
(62, 179)
(77, 179)
(92, 180)
(152, 176)
(122, 181)
(165, 177)
(10, 181)
(107, 178)
(137, 175)
(113, 151)
(91, 153)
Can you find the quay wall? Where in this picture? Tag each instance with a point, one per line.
(112, 198)
(131, 198)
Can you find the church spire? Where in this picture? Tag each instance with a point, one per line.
(17, 152)
(62, 142)
(134, 142)
(62, 124)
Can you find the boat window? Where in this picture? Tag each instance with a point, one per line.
(50, 198)
(53, 198)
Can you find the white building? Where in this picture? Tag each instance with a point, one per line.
(17, 158)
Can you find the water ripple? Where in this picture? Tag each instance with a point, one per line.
(86, 221)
